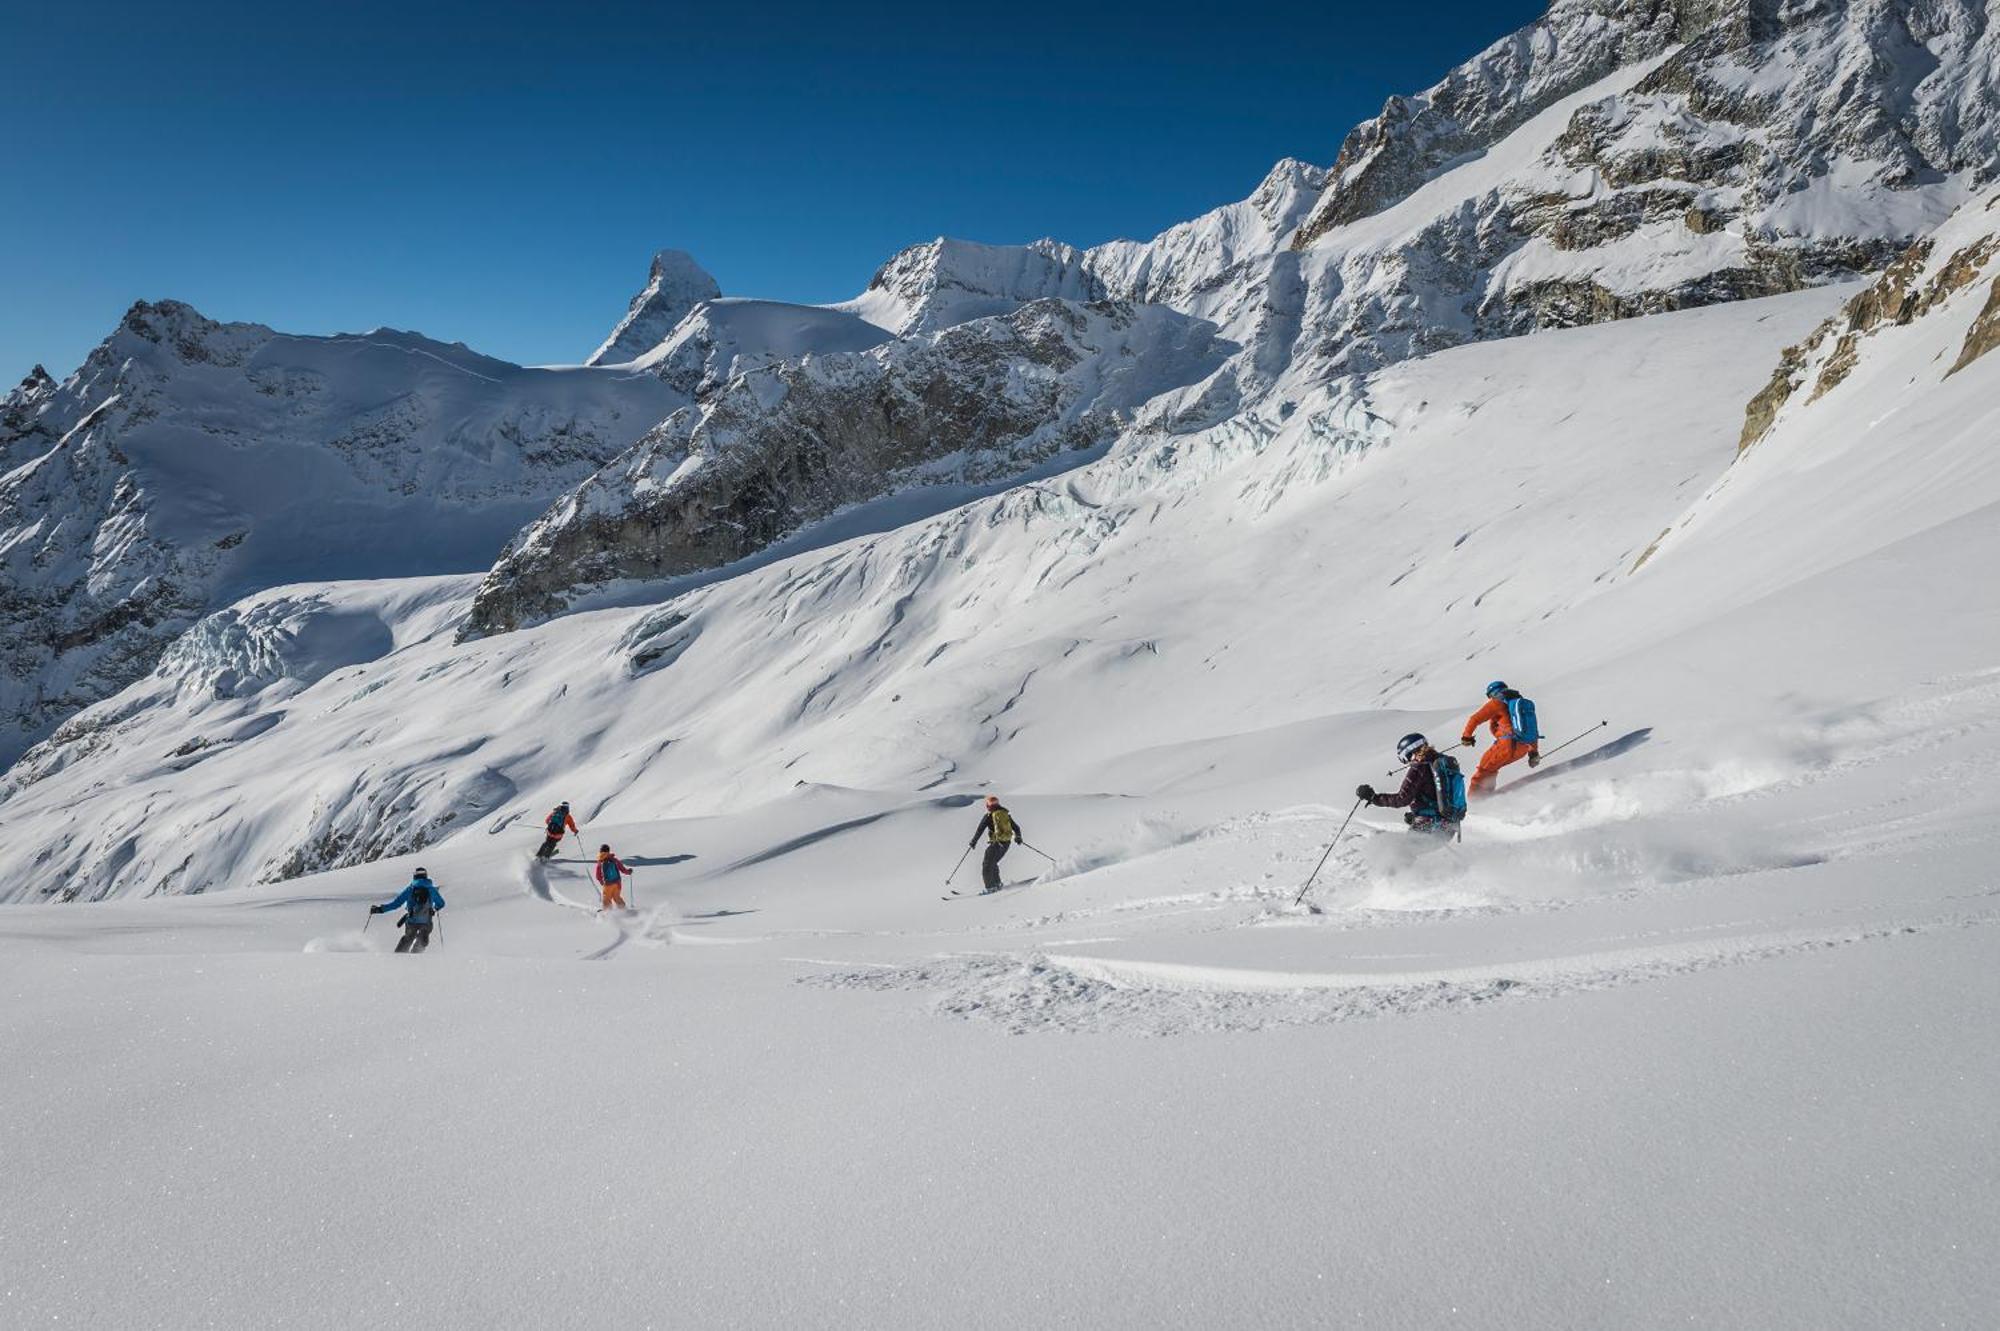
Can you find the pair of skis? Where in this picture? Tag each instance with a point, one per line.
(968, 893)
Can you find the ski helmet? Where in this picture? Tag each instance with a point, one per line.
(421, 872)
(1496, 688)
(1410, 745)
(992, 801)
(604, 850)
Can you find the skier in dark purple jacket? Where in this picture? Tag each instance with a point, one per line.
(1429, 810)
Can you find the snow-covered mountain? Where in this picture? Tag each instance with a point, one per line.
(1616, 158)
(188, 462)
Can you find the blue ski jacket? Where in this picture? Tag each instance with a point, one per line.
(403, 899)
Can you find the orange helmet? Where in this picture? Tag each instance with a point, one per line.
(992, 801)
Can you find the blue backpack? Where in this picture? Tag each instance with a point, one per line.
(420, 907)
(1450, 780)
(1521, 716)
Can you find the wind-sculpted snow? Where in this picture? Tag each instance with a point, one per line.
(188, 462)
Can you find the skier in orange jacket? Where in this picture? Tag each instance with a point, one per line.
(610, 874)
(1508, 747)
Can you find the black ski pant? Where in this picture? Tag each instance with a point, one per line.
(548, 849)
(989, 868)
(416, 937)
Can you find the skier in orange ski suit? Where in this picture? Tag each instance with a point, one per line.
(1506, 749)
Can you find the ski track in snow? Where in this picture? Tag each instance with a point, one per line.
(1061, 992)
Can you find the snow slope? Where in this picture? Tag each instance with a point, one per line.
(1691, 1034)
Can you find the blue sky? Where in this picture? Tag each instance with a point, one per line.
(500, 173)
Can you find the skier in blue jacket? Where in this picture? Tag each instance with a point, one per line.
(420, 902)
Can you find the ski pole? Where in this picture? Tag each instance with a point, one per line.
(1329, 851)
(1043, 853)
(956, 867)
(370, 920)
(437, 923)
(1566, 743)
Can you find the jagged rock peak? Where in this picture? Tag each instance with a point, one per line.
(191, 336)
(674, 285)
(22, 406)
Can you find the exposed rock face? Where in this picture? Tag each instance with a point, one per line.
(1935, 272)
(188, 461)
(1577, 43)
(1659, 156)
(782, 446)
(674, 286)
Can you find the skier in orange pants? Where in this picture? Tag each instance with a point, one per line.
(610, 874)
(1509, 743)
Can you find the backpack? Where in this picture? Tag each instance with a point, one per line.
(1003, 825)
(420, 908)
(607, 870)
(555, 823)
(1450, 780)
(1521, 716)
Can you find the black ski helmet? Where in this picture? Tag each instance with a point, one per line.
(1410, 745)
(421, 872)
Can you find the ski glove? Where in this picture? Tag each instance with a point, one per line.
(1534, 760)
(1469, 742)
(1365, 793)
(376, 910)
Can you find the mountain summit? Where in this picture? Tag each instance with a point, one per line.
(674, 286)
